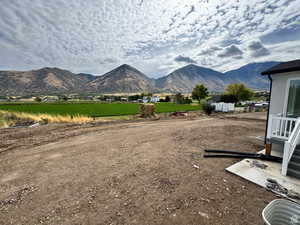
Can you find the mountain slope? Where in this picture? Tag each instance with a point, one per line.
(185, 79)
(124, 79)
(45, 80)
(250, 74)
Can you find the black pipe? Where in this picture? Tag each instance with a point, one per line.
(267, 124)
(229, 152)
(255, 156)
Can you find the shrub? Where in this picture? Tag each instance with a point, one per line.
(228, 98)
(37, 99)
(167, 99)
(180, 99)
(208, 108)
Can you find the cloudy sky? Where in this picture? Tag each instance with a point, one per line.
(155, 36)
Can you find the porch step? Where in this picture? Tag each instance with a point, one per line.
(275, 140)
(295, 158)
(294, 165)
(293, 173)
(297, 152)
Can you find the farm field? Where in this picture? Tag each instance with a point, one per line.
(92, 109)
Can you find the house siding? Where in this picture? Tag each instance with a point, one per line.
(278, 98)
(279, 91)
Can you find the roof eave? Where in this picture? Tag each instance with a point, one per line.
(281, 71)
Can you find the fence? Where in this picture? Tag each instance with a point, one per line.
(224, 107)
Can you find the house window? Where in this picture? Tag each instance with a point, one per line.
(293, 107)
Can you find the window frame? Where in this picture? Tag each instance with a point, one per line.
(287, 92)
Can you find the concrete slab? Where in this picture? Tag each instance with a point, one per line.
(247, 170)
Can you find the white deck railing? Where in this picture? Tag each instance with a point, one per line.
(281, 127)
(290, 146)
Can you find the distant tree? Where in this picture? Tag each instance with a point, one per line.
(208, 108)
(146, 95)
(228, 98)
(178, 98)
(187, 100)
(199, 92)
(37, 99)
(240, 91)
(167, 99)
(64, 98)
(117, 98)
(133, 97)
(100, 98)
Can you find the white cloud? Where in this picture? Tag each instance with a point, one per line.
(96, 36)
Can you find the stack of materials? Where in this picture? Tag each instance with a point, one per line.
(147, 110)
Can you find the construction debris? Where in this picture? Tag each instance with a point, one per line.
(176, 114)
(258, 164)
(274, 186)
(34, 125)
(196, 167)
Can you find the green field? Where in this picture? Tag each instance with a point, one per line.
(92, 109)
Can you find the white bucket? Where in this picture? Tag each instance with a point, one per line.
(281, 212)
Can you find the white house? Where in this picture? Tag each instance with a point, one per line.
(283, 124)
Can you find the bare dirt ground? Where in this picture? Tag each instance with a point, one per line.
(129, 173)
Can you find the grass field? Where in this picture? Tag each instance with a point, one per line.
(92, 109)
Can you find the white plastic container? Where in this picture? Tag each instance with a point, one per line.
(281, 212)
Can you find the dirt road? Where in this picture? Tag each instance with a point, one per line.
(130, 173)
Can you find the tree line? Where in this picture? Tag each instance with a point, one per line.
(234, 93)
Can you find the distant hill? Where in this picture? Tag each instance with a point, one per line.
(127, 79)
(124, 79)
(250, 74)
(46, 80)
(185, 79)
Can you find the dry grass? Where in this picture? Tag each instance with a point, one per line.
(8, 119)
(47, 118)
(3, 122)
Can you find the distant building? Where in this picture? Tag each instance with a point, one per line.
(154, 99)
(145, 100)
(50, 98)
(214, 98)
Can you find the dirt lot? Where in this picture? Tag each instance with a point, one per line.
(129, 173)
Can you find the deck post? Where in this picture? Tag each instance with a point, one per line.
(268, 148)
(268, 145)
(269, 130)
(285, 158)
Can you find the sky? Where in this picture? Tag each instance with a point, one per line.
(155, 36)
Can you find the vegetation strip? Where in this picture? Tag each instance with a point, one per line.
(92, 109)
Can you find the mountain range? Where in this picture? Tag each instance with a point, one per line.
(127, 79)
